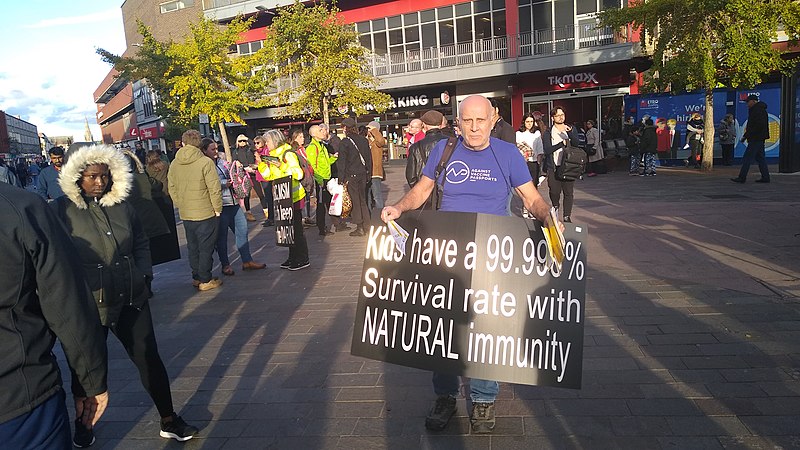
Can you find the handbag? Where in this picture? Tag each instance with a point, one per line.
(347, 202)
(336, 191)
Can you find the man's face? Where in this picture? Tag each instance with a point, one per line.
(559, 117)
(94, 180)
(476, 123)
(414, 127)
(211, 151)
(750, 103)
(57, 160)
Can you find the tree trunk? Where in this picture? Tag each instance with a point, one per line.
(708, 133)
(325, 116)
(224, 134)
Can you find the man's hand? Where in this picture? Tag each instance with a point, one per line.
(390, 213)
(90, 409)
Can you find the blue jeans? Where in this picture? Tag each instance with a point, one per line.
(201, 235)
(377, 193)
(754, 152)
(45, 427)
(232, 218)
(481, 391)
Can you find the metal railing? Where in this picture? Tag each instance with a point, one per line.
(540, 42)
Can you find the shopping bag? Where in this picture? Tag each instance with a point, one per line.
(336, 190)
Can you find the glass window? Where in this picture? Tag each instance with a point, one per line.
(429, 15)
(565, 16)
(395, 22)
(244, 49)
(429, 35)
(611, 4)
(395, 37)
(255, 46)
(362, 27)
(499, 23)
(481, 6)
(585, 6)
(410, 19)
(378, 25)
(464, 29)
(463, 9)
(379, 40)
(412, 34)
(525, 21)
(447, 33)
(445, 12)
(501, 4)
(542, 18)
(396, 50)
(483, 26)
(366, 41)
(412, 47)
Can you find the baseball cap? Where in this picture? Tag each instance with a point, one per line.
(241, 138)
(349, 123)
(432, 118)
(753, 97)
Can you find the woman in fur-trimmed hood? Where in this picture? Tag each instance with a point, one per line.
(114, 249)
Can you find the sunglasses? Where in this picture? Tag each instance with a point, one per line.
(241, 141)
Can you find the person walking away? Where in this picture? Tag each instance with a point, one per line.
(727, 138)
(244, 154)
(553, 142)
(321, 161)
(500, 128)
(484, 154)
(694, 137)
(355, 165)
(48, 186)
(376, 143)
(283, 163)
(114, 252)
(596, 155)
(755, 133)
(44, 297)
(195, 189)
(7, 176)
(232, 216)
(649, 148)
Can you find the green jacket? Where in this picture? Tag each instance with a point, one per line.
(320, 160)
(289, 166)
(194, 185)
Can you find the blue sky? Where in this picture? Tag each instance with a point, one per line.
(48, 65)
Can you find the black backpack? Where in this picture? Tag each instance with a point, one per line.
(573, 163)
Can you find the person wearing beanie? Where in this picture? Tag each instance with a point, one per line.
(376, 143)
(419, 151)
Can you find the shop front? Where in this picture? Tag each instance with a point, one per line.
(591, 92)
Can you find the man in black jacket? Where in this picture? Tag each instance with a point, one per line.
(755, 134)
(355, 168)
(44, 297)
(502, 129)
(419, 151)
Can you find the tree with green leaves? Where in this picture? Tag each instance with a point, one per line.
(195, 76)
(319, 53)
(704, 44)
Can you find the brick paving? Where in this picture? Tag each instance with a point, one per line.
(692, 338)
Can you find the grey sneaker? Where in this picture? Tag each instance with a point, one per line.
(482, 419)
(440, 413)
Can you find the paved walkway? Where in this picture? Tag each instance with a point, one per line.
(692, 337)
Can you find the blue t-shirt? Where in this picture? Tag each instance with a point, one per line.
(481, 181)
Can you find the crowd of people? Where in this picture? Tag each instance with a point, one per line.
(88, 257)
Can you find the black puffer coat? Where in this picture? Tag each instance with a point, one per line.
(110, 239)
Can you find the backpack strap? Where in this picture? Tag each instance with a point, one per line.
(447, 153)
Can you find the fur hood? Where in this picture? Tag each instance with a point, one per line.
(118, 166)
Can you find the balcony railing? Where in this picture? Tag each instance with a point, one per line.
(540, 42)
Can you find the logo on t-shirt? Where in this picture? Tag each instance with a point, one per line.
(457, 172)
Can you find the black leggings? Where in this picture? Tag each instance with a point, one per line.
(134, 329)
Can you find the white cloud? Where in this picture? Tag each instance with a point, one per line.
(111, 14)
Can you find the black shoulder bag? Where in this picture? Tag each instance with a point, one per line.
(438, 191)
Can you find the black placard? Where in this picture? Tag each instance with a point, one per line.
(284, 213)
(474, 295)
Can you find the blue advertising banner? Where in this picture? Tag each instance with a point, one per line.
(680, 108)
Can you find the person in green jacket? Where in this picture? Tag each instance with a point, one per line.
(195, 190)
(321, 161)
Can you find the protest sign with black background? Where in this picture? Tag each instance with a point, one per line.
(474, 295)
(282, 197)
